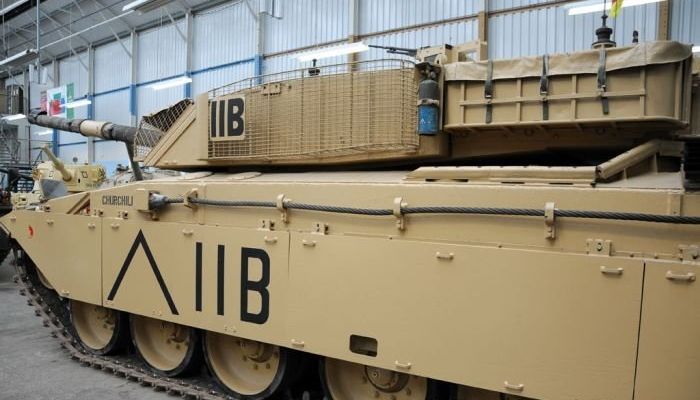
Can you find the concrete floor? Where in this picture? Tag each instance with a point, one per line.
(33, 366)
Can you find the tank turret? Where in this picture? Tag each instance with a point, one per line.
(75, 177)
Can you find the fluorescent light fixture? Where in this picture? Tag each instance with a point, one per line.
(12, 7)
(696, 49)
(334, 51)
(78, 103)
(170, 83)
(144, 6)
(43, 133)
(20, 59)
(14, 117)
(586, 7)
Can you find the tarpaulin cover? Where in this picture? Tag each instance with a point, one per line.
(584, 62)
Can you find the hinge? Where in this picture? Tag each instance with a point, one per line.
(599, 246)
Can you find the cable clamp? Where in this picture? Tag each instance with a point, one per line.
(398, 213)
(282, 208)
(188, 196)
(549, 231)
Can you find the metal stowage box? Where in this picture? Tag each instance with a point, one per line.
(646, 86)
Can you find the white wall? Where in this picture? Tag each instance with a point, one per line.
(552, 30)
(112, 66)
(685, 21)
(224, 35)
(70, 70)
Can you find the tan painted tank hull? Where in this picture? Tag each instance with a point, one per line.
(605, 309)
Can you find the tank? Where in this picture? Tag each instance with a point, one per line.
(543, 243)
(49, 179)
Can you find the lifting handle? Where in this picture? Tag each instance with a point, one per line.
(688, 277)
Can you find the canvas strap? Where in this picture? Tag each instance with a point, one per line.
(544, 87)
(602, 81)
(488, 91)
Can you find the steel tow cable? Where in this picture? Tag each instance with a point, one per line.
(531, 212)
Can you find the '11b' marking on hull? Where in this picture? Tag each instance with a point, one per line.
(247, 285)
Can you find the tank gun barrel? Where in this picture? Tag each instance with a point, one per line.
(89, 128)
(85, 127)
(58, 164)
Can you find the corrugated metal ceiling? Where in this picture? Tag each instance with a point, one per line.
(62, 18)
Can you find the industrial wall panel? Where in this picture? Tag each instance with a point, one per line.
(499, 5)
(289, 62)
(113, 107)
(205, 81)
(685, 21)
(149, 100)
(552, 30)
(222, 35)
(454, 33)
(112, 66)
(381, 15)
(70, 70)
(161, 53)
(306, 23)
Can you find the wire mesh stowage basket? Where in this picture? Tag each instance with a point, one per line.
(152, 127)
(319, 112)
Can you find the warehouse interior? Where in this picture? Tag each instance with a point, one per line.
(350, 199)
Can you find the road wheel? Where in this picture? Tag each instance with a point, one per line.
(168, 348)
(100, 330)
(344, 380)
(247, 368)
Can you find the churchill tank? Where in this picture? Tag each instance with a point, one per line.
(438, 228)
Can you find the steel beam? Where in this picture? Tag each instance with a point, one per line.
(91, 107)
(62, 26)
(134, 78)
(662, 32)
(189, 40)
(113, 14)
(177, 28)
(102, 14)
(56, 82)
(354, 24)
(46, 33)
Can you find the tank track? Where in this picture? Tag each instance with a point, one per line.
(54, 314)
